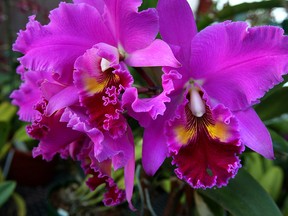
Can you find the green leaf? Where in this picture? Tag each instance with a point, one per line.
(273, 106)
(254, 165)
(6, 190)
(7, 111)
(272, 181)
(279, 124)
(279, 143)
(21, 205)
(4, 132)
(201, 207)
(243, 197)
(148, 4)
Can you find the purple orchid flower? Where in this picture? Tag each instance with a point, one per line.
(226, 69)
(75, 70)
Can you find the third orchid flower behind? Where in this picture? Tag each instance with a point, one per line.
(77, 90)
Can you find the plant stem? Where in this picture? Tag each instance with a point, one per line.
(145, 76)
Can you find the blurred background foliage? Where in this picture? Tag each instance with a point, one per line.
(260, 188)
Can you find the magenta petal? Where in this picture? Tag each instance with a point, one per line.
(155, 149)
(133, 30)
(72, 30)
(67, 97)
(254, 59)
(129, 171)
(177, 26)
(156, 54)
(254, 134)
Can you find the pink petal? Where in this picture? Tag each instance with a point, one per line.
(156, 54)
(177, 26)
(72, 30)
(65, 98)
(155, 149)
(254, 59)
(133, 30)
(129, 172)
(254, 134)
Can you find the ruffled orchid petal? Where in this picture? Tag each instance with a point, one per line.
(177, 27)
(254, 59)
(98, 4)
(21, 71)
(254, 134)
(152, 56)
(143, 109)
(29, 94)
(72, 30)
(100, 174)
(76, 118)
(119, 150)
(133, 30)
(204, 149)
(54, 135)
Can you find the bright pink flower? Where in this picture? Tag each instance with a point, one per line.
(226, 69)
(76, 68)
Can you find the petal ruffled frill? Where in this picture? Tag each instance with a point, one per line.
(101, 174)
(204, 149)
(73, 29)
(147, 109)
(29, 94)
(54, 135)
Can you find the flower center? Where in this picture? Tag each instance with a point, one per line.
(196, 103)
(104, 64)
